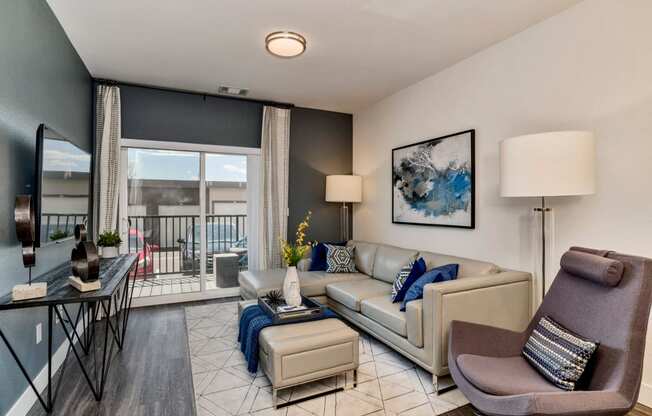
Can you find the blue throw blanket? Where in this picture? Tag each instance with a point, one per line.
(252, 320)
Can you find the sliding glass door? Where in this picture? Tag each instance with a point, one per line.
(226, 218)
(162, 218)
(184, 213)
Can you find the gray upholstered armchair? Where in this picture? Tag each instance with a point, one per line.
(601, 295)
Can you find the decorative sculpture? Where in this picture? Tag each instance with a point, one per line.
(85, 263)
(24, 218)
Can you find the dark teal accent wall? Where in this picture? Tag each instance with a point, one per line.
(321, 144)
(42, 80)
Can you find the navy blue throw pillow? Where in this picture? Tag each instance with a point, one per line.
(438, 274)
(418, 269)
(318, 256)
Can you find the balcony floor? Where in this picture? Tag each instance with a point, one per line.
(170, 284)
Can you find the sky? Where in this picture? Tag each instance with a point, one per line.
(63, 156)
(174, 165)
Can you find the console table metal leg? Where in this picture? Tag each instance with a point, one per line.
(131, 296)
(50, 326)
(47, 408)
(106, 339)
(71, 339)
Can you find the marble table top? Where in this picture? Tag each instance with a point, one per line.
(112, 274)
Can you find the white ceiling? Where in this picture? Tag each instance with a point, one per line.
(359, 51)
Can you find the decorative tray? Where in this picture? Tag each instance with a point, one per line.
(308, 311)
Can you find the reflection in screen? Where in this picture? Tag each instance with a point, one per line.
(64, 188)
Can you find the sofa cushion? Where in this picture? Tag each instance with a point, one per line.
(382, 310)
(314, 283)
(468, 267)
(365, 254)
(503, 376)
(389, 260)
(254, 283)
(351, 293)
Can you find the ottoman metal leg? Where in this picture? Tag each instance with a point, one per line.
(275, 398)
(355, 378)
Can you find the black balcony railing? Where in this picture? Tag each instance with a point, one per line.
(58, 226)
(170, 244)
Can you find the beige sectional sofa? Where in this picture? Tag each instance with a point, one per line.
(483, 293)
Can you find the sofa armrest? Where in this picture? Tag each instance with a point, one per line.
(502, 300)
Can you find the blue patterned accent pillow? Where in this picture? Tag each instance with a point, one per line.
(339, 259)
(558, 354)
(318, 256)
(405, 277)
(436, 275)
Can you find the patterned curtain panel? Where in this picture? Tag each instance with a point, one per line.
(273, 176)
(107, 155)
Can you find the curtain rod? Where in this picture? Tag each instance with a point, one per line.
(204, 94)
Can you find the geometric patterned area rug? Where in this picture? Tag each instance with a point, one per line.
(388, 384)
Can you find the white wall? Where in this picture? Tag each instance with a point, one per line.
(589, 67)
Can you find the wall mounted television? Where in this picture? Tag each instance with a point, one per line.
(62, 186)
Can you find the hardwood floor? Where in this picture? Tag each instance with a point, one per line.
(640, 410)
(151, 376)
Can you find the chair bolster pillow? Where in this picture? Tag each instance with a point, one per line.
(601, 270)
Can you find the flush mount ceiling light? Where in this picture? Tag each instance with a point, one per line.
(285, 44)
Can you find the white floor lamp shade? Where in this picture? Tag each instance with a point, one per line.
(344, 189)
(557, 163)
(548, 164)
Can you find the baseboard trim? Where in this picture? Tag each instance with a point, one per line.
(26, 401)
(645, 395)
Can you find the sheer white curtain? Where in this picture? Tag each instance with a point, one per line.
(271, 216)
(254, 213)
(107, 156)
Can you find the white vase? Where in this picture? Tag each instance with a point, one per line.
(291, 289)
(109, 252)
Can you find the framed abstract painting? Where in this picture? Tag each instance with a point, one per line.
(433, 182)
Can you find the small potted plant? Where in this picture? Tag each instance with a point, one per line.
(58, 234)
(292, 254)
(109, 241)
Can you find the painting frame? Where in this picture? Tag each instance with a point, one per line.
(471, 224)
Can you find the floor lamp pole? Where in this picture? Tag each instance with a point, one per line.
(344, 222)
(543, 211)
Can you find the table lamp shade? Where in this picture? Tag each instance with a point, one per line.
(548, 164)
(343, 188)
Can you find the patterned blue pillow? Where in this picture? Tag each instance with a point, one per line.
(339, 259)
(558, 354)
(438, 274)
(405, 277)
(318, 256)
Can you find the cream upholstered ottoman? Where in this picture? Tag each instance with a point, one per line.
(294, 354)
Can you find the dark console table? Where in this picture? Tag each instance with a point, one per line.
(113, 300)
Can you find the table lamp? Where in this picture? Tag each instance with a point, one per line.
(344, 189)
(560, 163)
